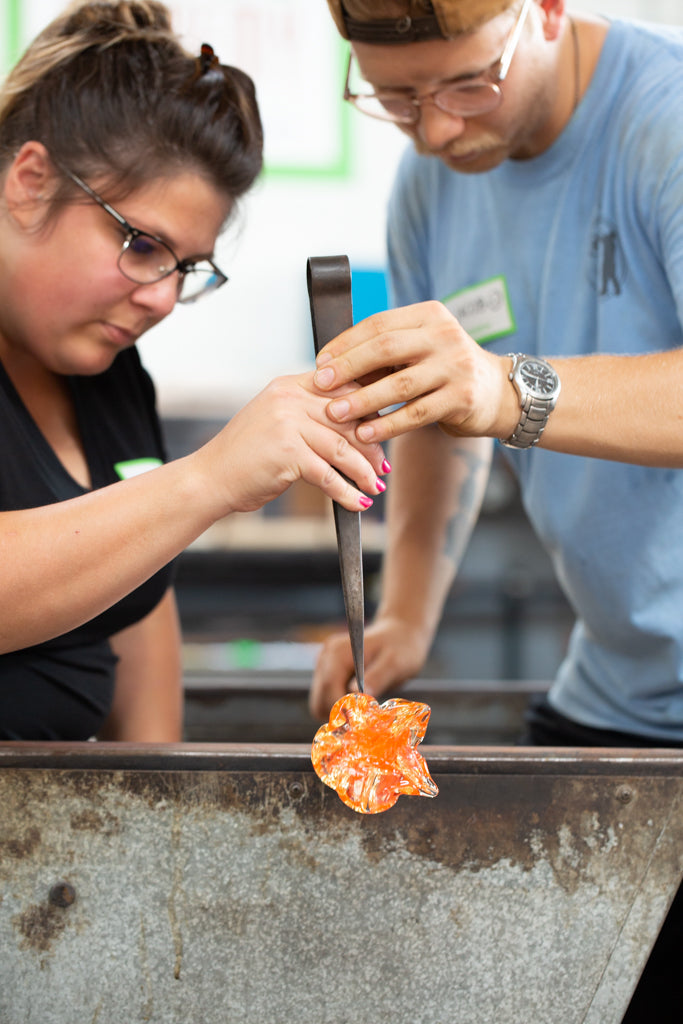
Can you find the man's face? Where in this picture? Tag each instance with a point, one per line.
(517, 129)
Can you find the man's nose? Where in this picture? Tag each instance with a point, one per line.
(436, 128)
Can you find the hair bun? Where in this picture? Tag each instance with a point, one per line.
(133, 15)
(111, 91)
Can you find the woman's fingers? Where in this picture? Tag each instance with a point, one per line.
(285, 434)
(339, 444)
(336, 472)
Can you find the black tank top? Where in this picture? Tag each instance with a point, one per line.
(62, 689)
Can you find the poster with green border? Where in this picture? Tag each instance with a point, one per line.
(11, 33)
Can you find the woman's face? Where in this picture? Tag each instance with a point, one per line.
(63, 299)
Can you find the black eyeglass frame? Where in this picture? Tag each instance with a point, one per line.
(494, 76)
(184, 267)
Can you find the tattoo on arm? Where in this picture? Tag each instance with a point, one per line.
(468, 497)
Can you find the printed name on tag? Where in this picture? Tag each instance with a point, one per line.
(483, 309)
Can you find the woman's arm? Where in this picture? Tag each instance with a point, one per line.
(65, 563)
(148, 700)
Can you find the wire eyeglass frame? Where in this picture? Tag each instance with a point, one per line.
(190, 287)
(459, 98)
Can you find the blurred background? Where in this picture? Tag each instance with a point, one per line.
(258, 592)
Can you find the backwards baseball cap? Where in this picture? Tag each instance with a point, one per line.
(411, 21)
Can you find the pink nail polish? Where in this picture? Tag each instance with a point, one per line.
(365, 502)
(386, 466)
(380, 485)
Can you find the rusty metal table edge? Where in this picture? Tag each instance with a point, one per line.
(442, 760)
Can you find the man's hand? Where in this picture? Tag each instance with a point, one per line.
(395, 651)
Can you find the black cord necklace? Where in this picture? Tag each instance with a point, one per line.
(577, 64)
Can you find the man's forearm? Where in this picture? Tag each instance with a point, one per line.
(434, 499)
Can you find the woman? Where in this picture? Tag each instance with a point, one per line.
(121, 159)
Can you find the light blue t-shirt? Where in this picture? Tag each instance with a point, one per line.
(581, 250)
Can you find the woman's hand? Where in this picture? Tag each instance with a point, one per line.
(395, 651)
(429, 364)
(284, 434)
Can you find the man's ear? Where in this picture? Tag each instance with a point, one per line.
(552, 14)
(28, 183)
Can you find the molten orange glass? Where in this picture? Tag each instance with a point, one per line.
(366, 752)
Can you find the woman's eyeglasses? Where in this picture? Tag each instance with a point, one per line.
(144, 258)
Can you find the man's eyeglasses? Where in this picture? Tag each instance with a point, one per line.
(465, 97)
(144, 258)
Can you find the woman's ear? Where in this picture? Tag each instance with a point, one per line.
(28, 183)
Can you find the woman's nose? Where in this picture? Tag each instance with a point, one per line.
(158, 296)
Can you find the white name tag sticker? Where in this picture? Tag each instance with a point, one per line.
(483, 309)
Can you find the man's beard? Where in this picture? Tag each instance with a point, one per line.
(485, 142)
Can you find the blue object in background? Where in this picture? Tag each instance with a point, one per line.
(368, 292)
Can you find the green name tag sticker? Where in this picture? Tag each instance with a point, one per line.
(484, 310)
(134, 467)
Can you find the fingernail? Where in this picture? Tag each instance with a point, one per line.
(339, 409)
(324, 378)
(365, 502)
(366, 432)
(323, 358)
(386, 466)
(380, 485)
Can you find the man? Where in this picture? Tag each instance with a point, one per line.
(542, 205)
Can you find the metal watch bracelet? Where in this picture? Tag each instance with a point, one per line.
(532, 423)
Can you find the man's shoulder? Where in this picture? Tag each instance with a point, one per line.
(657, 49)
(639, 81)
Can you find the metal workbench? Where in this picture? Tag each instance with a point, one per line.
(206, 884)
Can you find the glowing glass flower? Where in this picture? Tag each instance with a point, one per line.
(366, 752)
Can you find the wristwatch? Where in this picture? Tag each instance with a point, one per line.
(538, 386)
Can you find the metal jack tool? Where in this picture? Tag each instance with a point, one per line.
(329, 290)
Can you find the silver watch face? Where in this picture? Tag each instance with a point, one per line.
(538, 377)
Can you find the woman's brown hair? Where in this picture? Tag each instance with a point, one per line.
(112, 94)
